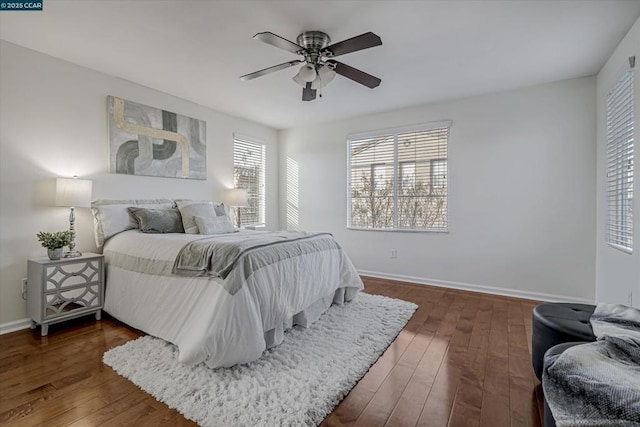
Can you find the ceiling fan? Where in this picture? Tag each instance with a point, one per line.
(318, 67)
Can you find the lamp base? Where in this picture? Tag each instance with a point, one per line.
(72, 253)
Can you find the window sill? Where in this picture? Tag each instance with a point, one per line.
(400, 230)
(624, 249)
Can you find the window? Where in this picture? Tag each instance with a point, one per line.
(398, 179)
(407, 175)
(249, 173)
(620, 142)
(439, 173)
(377, 174)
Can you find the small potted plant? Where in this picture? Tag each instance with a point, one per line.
(54, 242)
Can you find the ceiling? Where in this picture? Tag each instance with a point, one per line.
(432, 50)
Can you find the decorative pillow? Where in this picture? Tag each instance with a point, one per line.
(222, 209)
(214, 225)
(219, 207)
(111, 217)
(190, 208)
(158, 220)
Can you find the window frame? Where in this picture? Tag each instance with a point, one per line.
(394, 132)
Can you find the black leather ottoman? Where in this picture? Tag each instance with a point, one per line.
(557, 323)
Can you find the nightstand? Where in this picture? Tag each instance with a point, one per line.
(63, 289)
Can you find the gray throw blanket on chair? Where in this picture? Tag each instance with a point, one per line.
(598, 384)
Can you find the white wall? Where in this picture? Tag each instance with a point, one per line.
(618, 273)
(522, 193)
(53, 123)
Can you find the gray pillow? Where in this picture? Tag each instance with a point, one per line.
(158, 220)
(219, 209)
(111, 217)
(214, 225)
(204, 208)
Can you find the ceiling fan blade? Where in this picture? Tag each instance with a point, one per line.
(356, 75)
(308, 94)
(270, 70)
(277, 41)
(354, 44)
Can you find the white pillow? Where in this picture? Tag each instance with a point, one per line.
(111, 217)
(214, 225)
(204, 208)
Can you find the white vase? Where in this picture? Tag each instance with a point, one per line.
(55, 253)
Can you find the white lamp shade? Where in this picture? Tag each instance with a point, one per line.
(236, 197)
(73, 192)
(306, 74)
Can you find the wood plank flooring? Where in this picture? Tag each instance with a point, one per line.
(464, 359)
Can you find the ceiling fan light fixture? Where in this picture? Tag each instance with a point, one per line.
(299, 81)
(325, 76)
(319, 68)
(306, 74)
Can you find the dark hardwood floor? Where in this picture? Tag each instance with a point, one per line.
(464, 359)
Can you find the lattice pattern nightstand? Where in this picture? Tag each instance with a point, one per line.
(59, 290)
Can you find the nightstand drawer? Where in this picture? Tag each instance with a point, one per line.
(71, 300)
(71, 275)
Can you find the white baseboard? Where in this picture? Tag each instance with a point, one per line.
(15, 325)
(477, 288)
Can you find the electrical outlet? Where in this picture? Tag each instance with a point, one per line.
(23, 284)
(394, 253)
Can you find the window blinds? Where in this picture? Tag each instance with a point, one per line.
(422, 204)
(620, 147)
(249, 173)
(371, 178)
(398, 179)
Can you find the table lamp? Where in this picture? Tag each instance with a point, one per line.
(236, 198)
(73, 193)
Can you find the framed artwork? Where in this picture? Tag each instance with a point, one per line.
(149, 141)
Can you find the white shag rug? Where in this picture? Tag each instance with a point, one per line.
(296, 383)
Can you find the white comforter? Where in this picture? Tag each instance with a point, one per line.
(204, 320)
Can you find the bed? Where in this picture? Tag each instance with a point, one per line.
(223, 316)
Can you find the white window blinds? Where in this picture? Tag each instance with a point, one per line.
(398, 179)
(620, 147)
(249, 173)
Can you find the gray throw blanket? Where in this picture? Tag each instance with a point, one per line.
(598, 384)
(217, 256)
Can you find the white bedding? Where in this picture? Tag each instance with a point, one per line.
(204, 320)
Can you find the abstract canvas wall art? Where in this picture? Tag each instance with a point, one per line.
(149, 141)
